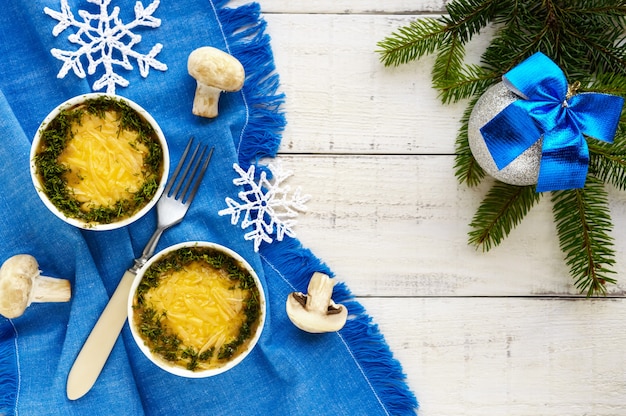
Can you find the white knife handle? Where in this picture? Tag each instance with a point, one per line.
(100, 342)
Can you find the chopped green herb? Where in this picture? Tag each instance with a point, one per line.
(158, 337)
(54, 140)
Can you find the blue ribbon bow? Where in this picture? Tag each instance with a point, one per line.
(546, 109)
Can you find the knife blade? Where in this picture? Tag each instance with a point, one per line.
(99, 344)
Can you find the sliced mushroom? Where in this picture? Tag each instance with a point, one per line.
(316, 312)
(214, 71)
(21, 284)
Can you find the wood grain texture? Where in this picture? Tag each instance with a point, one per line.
(340, 97)
(509, 356)
(349, 6)
(397, 226)
(497, 333)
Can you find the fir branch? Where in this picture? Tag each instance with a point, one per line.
(603, 7)
(424, 36)
(607, 83)
(501, 210)
(469, 81)
(607, 161)
(587, 40)
(467, 18)
(466, 169)
(581, 38)
(509, 47)
(449, 59)
(421, 37)
(583, 221)
(597, 28)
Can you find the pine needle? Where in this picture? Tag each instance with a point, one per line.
(608, 161)
(584, 225)
(469, 80)
(587, 40)
(467, 18)
(466, 169)
(421, 37)
(501, 210)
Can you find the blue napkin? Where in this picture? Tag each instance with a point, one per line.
(289, 372)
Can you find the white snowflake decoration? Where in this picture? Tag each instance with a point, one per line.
(105, 41)
(265, 204)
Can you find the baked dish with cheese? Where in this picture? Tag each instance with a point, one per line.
(197, 307)
(99, 161)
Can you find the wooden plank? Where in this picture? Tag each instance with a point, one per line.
(373, 146)
(509, 356)
(348, 6)
(474, 331)
(397, 226)
(341, 99)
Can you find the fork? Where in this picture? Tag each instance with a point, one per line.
(171, 209)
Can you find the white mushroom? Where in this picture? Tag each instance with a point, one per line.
(21, 284)
(316, 312)
(214, 71)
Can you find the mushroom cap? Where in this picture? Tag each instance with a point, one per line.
(314, 321)
(16, 283)
(215, 68)
(316, 312)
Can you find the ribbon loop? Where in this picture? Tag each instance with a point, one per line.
(550, 108)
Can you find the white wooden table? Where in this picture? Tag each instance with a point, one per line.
(497, 333)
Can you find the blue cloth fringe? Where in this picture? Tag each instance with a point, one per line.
(8, 368)
(261, 138)
(249, 43)
(360, 334)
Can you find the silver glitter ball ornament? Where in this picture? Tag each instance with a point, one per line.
(522, 171)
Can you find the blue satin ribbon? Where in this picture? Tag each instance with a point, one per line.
(545, 109)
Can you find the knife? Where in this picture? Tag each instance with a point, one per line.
(99, 344)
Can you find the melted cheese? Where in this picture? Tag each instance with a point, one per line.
(202, 306)
(105, 163)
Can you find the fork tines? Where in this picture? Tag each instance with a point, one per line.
(187, 177)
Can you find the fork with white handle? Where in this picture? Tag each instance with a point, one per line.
(171, 208)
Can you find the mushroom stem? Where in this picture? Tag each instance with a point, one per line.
(21, 284)
(316, 312)
(320, 290)
(205, 102)
(215, 71)
(50, 289)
